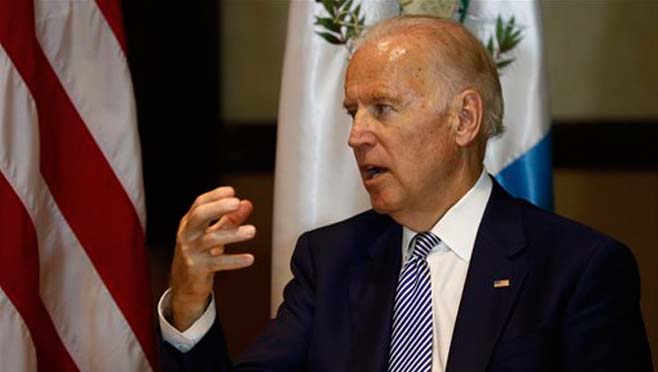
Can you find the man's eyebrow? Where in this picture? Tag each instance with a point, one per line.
(379, 96)
(386, 96)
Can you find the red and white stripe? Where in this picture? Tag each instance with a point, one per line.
(74, 290)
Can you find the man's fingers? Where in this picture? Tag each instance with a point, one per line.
(235, 218)
(230, 262)
(241, 214)
(216, 251)
(218, 193)
(200, 216)
(226, 236)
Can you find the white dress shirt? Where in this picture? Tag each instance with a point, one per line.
(448, 263)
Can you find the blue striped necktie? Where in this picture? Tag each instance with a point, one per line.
(411, 339)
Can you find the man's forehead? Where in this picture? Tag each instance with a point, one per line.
(390, 45)
(392, 48)
(410, 37)
(388, 60)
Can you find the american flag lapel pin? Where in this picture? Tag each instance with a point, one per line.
(502, 283)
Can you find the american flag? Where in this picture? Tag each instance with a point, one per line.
(74, 285)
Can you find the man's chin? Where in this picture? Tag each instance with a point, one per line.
(382, 205)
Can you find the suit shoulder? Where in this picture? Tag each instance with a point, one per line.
(346, 239)
(565, 235)
(362, 222)
(537, 218)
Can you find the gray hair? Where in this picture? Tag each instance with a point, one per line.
(464, 62)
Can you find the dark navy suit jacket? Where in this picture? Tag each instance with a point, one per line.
(573, 303)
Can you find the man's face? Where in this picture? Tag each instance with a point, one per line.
(402, 141)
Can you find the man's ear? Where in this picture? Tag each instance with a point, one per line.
(469, 117)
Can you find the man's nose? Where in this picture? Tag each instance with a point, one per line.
(361, 134)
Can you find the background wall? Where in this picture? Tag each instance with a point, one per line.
(604, 100)
(252, 43)
(602, 57)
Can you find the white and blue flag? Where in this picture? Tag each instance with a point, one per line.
(520, 159)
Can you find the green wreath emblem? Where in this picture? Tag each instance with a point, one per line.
(344, 21)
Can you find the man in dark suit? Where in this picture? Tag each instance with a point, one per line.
(448, 273)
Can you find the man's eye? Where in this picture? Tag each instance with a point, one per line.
(382, 110)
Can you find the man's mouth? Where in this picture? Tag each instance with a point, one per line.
(372, 172)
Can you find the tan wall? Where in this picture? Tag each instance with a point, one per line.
(252, 42)
(602, 57)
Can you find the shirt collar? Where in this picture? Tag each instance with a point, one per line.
(459, 226)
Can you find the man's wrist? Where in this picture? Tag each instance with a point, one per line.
(184, 312)
(184, 341)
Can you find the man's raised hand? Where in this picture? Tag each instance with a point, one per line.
(214, 220)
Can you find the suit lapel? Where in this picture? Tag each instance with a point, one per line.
(371, 293)
(498, 254)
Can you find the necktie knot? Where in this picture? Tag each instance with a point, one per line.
(424, 242)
